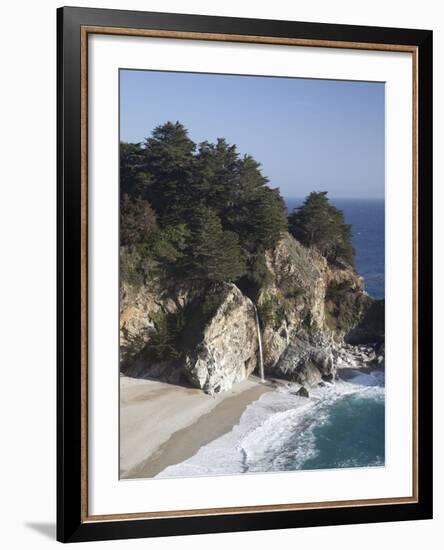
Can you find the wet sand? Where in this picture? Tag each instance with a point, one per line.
(163, 424)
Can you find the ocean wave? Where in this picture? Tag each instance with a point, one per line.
(280, 431)
(288, 440)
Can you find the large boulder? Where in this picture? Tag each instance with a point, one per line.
(225, 348)
(302, 392)
(306, 364)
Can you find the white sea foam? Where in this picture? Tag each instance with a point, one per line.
(260, 441)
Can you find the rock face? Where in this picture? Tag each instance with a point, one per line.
(217, 347)
(207, 335)
(137, 310)
(228, 347)
(140, 310)
(365, 358)
(305, 363)
(371, 327)
(294, 300)
(306, 310)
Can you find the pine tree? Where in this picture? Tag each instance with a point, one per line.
(216, 174)
(256, 212)
(168, 162)
(213, 254)
(207, 213)
(133, 176)
(268, 219)
(320, 225)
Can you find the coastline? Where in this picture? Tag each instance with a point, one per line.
(163, 424)
(284, 430)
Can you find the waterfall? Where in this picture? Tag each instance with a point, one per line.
(259, 337)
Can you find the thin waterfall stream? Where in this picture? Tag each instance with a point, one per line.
(259, 337)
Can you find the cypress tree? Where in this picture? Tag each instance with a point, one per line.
(320, 225)
(168, 162)
(213, 254)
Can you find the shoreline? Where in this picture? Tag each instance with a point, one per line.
(163, 424)
(267, 430)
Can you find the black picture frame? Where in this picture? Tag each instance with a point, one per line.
(71, 523)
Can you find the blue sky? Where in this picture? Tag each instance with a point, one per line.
(309, 135)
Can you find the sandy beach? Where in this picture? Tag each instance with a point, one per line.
(163, 424)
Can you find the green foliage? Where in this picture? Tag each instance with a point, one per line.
(216, 175)
(168, 162)
(265, 308)
(268, 218)
(130, 271)
(214, 211)
(203, 212)
(258, 272)
(320, 225)
(345, 306)
(256, 212)
(133, 178)
(294, 293)
(168, 246)
(337, 291)
(162, 344)
(213, 254)
(273, 310)
(137, 221)
(157, 257)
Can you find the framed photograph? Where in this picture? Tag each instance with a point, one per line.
(244, 274)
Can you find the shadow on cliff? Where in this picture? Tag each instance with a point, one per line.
(371, 328)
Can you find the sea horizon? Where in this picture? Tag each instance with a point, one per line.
(332, 198)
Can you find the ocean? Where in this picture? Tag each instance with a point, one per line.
(333, 430)
(367, 220)
(341, 425)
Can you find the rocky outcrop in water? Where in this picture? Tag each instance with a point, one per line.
(302, 392)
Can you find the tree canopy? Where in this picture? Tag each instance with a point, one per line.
(205, 212)
(137, 220)
(320, 225)
(218, 203)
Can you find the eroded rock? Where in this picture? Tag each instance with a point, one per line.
(228, 347)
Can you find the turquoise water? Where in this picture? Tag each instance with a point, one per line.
(341, 425)
(352, 436)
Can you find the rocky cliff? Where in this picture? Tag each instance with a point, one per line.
(207, 335)
(307, 310)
